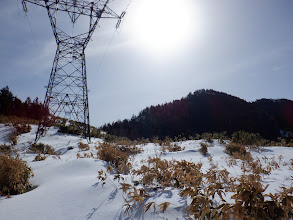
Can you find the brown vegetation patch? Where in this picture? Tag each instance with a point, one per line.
(203, 148)
(39, 157)
(7, 119)
(248, 193)
(115, 156)
(83, 147)
(14, 175)
(41, 148)
(5, 149)
(238, 151)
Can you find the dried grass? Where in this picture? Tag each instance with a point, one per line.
(14, 175)
(116, 156)
(41, 148)
(203, 148)
(83, 147)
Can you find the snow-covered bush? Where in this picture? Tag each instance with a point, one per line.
(22, 128)
(14, 175)
(13, 138)
(238, 151)
(208, 137)
(83, 147)
(248, 139)
(18, 130)
(116, 156)
(5, 149)
(39, 157)
(203, 148)
(41, 148)
(208, 191)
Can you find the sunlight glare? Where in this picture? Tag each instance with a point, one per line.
(164, 26)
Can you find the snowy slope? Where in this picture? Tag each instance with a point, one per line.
(68, 188)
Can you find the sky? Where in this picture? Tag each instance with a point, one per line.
(163, 50)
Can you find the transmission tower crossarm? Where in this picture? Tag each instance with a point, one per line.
(94, 9)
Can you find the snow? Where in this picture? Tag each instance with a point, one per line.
(68, 188)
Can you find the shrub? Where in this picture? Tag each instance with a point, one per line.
(169, 173)
(85, 155)
(221, 137)
(73, 127)
(290, 144)
(110, 138)
(204, 148)
(171, 147)
(14, 175)
(156, 140)
(257, 168)
(83, 147)
(238, 151)
(13, 139)
(41, 148)
(130, 150)
(96, 133)
(123, 141)
(280, 142)
(250, 202)
(248, 139)
(22, 128)
(208, 137)
(39, 157)
(143, 141)
(197, 137)
(4, 119)
(5, 149)
(18, 130)
(175, 148)
(248, 192)
(112, 154)
(233, 148)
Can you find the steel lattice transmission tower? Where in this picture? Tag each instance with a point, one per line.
(67, 93)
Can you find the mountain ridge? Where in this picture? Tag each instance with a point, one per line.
(207, 110)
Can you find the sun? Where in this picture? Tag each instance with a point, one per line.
(164, 26)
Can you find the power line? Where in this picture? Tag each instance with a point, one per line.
(130, 1)
(106, 51)
(30, 26)
(18, 7)
(33, 35)
(29, 23)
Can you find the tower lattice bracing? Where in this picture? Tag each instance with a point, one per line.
(67, 93)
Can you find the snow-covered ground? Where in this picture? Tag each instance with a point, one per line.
(68, 188)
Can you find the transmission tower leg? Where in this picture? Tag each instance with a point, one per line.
(67, 93)
(86, 130)
(47, 119)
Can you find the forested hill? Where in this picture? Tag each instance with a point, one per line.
(208, 111)
(10, 105)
